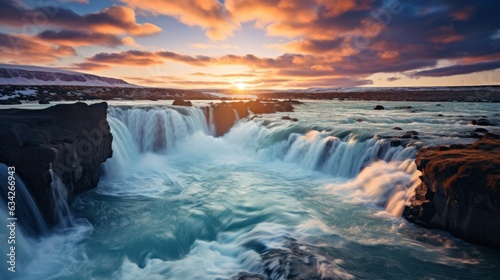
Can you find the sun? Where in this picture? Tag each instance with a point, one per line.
(241, 85)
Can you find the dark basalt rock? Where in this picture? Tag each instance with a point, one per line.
(460, 191)
(249, 276)
(74, 138)
(481, 130)
(180, 102)
(44, 102)
(10, 102)
(397, 128)
(288, 118)
(298, 261)
(379, 107)
(483, 122)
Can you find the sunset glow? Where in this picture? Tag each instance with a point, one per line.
(274, 44)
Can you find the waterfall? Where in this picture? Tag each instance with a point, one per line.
(160, 129)
(27, 212)
(62, 214)
(330, 155)
(384, 173)
(125, 149)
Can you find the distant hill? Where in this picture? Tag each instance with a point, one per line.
(35, 75)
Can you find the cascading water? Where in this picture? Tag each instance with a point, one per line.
(61, 213)
(159, 129)
(271, 199)
(27, 211)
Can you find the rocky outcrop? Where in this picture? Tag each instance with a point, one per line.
(181, 102)
(460, 191)
(226, 114)
(74, 138)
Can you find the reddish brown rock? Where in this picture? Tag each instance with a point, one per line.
(460, 191)
(225, 115)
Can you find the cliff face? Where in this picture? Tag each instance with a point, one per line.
(74, 138)
(460, 191)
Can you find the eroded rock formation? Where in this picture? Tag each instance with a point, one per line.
(74, 138)
(460, 191)
(225, 114)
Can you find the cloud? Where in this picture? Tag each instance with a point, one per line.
(393, 79)
(22, 49)
(88, 66)
(458, 69)
(210, 15)
(118, 20)
(81, 38)
(77, 1)
(212, 46)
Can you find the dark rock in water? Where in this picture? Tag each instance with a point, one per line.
(473, 122)
(483, 122)
(440, 115)
(379, 107)
(249, 276)
(397, 128)
(359, 119)
(410, 134)
(439, 105)
(290, 119)
(45, 102)
(490, 135)
(180, 102)
(460, 191)
(10, 102)
(75, 138)
(481, 130)
(473, 135)
(298, 261)
(395, 143)
(403, 107)
(296, 102)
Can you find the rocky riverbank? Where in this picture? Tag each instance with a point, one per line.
(460, 191)
(75, 139)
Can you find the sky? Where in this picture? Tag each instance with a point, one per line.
(259, 44)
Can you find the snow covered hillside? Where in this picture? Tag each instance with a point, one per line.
(34, 75)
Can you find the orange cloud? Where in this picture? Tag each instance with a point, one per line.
(445, 35)
(207, 14)
(117, 20)
(23, 49)
(463, 14)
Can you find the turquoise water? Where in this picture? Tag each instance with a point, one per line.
(317, 199)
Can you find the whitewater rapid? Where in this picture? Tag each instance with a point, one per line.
(269, 198)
